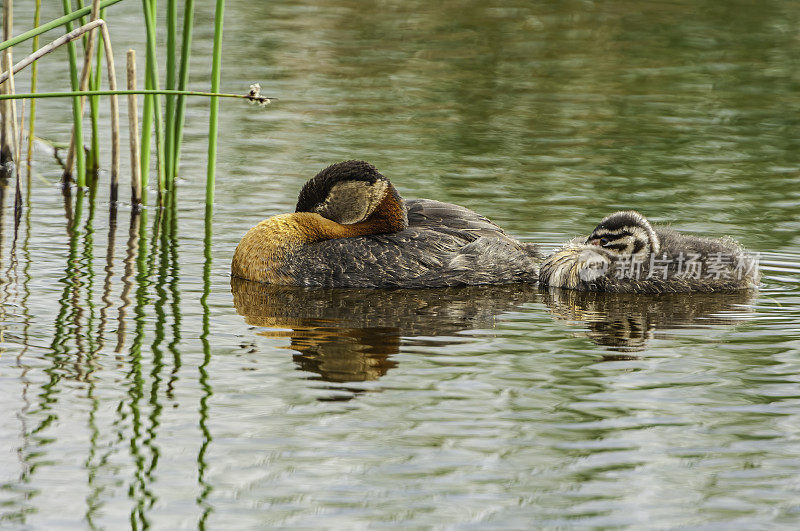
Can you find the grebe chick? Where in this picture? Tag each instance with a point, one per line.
(351, 228)
(625, 254)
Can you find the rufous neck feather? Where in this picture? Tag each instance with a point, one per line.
(267, 245)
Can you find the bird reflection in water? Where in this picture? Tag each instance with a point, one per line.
(349, 335)
(627, 321)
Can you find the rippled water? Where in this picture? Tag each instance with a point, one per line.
(142, 388)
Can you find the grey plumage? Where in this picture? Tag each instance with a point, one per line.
(681, 264)
(444, 245)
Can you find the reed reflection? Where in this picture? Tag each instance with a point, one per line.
(626, 321)
(77, 354)
(128, 276)
(24, 449)
(108, 303)
(203, 407)
(349, 335)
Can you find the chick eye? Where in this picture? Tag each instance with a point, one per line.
(604, 241)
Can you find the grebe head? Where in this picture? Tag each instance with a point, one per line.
(346, 200)
(346, 192)
(625, 233)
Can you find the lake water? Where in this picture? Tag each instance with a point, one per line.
(141, 387)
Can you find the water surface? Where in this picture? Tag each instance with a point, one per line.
(143, 388)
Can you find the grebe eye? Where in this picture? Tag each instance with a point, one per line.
(604, 241)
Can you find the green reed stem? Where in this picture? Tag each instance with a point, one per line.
(34, 77)
(83, 22)
(149, 101)
(94, 104)
(216, 68)
(151, 82)
(93, 164)
(146, 138)
(70, 94)
(61, 21)
(93, 161)
(183, 79)
(169, 132)
(76, 108)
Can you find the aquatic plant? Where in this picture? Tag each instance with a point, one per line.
(163, 110)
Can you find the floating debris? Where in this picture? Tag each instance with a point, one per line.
(255, 95)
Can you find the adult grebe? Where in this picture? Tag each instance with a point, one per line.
(352, 229)
(625, 254)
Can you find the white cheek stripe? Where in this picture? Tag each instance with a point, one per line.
(611, 232)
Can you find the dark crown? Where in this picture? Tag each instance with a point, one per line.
(317, 189)
(621, 220)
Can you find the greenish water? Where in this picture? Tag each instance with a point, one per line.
(141, 388)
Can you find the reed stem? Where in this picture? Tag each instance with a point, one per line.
(216, 68)
(48, 48)
(149, 102)
(169, 82)
(19, 133)
(94, 102)
(18, 160)
(12, 146)
(93, 162)
(7, 150)
(151, 82)
(84, 83)
(133, 125)
(83, 19)
(183, 78)
(34, 76)
(263, 100)
(112, 84)
(61, 21)
(76, 111)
